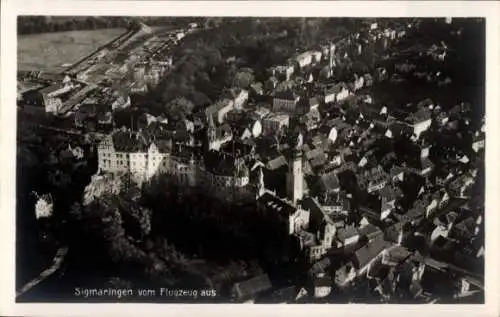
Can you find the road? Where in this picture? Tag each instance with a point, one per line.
(56, 265)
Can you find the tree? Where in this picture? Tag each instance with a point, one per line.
(179, 108)
(243, 79)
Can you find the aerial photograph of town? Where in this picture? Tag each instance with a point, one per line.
(250, 160)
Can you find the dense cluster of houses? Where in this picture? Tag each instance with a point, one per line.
(113, 66)
(353, 182)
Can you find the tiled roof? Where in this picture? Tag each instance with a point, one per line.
(219, 163)
(370, 231)
(252, 286)
(277, 163)
(219, 104)
(346, 233)
(325, 280)
(419, 116)
(390, 192)
(125, 141)
(287, 95)
(311, 204)
(257, 87)
(47, 90)
(335, 89)
(330, 181)
(223, 131)
(276, 204)
(399, 253)
(365, 254)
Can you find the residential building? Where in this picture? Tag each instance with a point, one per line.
(347, 236)
(275, 123)
(283, 71)
(373, 179)
(217, 136)
(304, 59)
(419, 121)
(44, 206)
(478, 141)
(330, 94)
(239, 97)
(322, 285)
(219, 110)
(293, 219)
(50, 94)
(285, 101)
(257, 89)
(249, 289)
(365, 256)
(341, 92)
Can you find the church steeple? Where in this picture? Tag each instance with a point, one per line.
(211, 132)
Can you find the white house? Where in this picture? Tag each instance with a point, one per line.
(44, 206)
(304, 59)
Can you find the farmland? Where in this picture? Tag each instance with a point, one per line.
(49, 51)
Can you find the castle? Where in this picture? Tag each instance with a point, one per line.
(143, 157)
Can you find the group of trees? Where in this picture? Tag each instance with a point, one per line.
(46, 24)
(44, 166)
(235, 55)
(139, 233)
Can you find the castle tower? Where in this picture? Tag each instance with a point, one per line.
(295, 176)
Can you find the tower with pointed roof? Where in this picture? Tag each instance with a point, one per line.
(211, 133)
(295, 175)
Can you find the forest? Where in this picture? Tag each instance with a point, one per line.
(47, 24)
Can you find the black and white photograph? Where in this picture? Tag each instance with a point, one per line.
(190, 159)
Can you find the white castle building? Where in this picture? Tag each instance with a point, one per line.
(131, 152)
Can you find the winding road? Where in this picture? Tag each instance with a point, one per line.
(56, 265)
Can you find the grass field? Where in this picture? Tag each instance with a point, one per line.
(49, 51)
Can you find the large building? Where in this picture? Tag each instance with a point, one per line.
(285, 101)
(50, 96)
(132, 153)
(275, 122)
(217, 136)
(220, 109)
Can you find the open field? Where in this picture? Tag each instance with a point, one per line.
(49, 51)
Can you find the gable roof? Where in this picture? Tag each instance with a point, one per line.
(330, 181)
(287, 95)
(346, 233)
(371, 231)
(368, 252)
(277, 163)
(252, 286)
(276, 204)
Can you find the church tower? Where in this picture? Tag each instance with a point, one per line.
(295, 176)
(211, 133)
